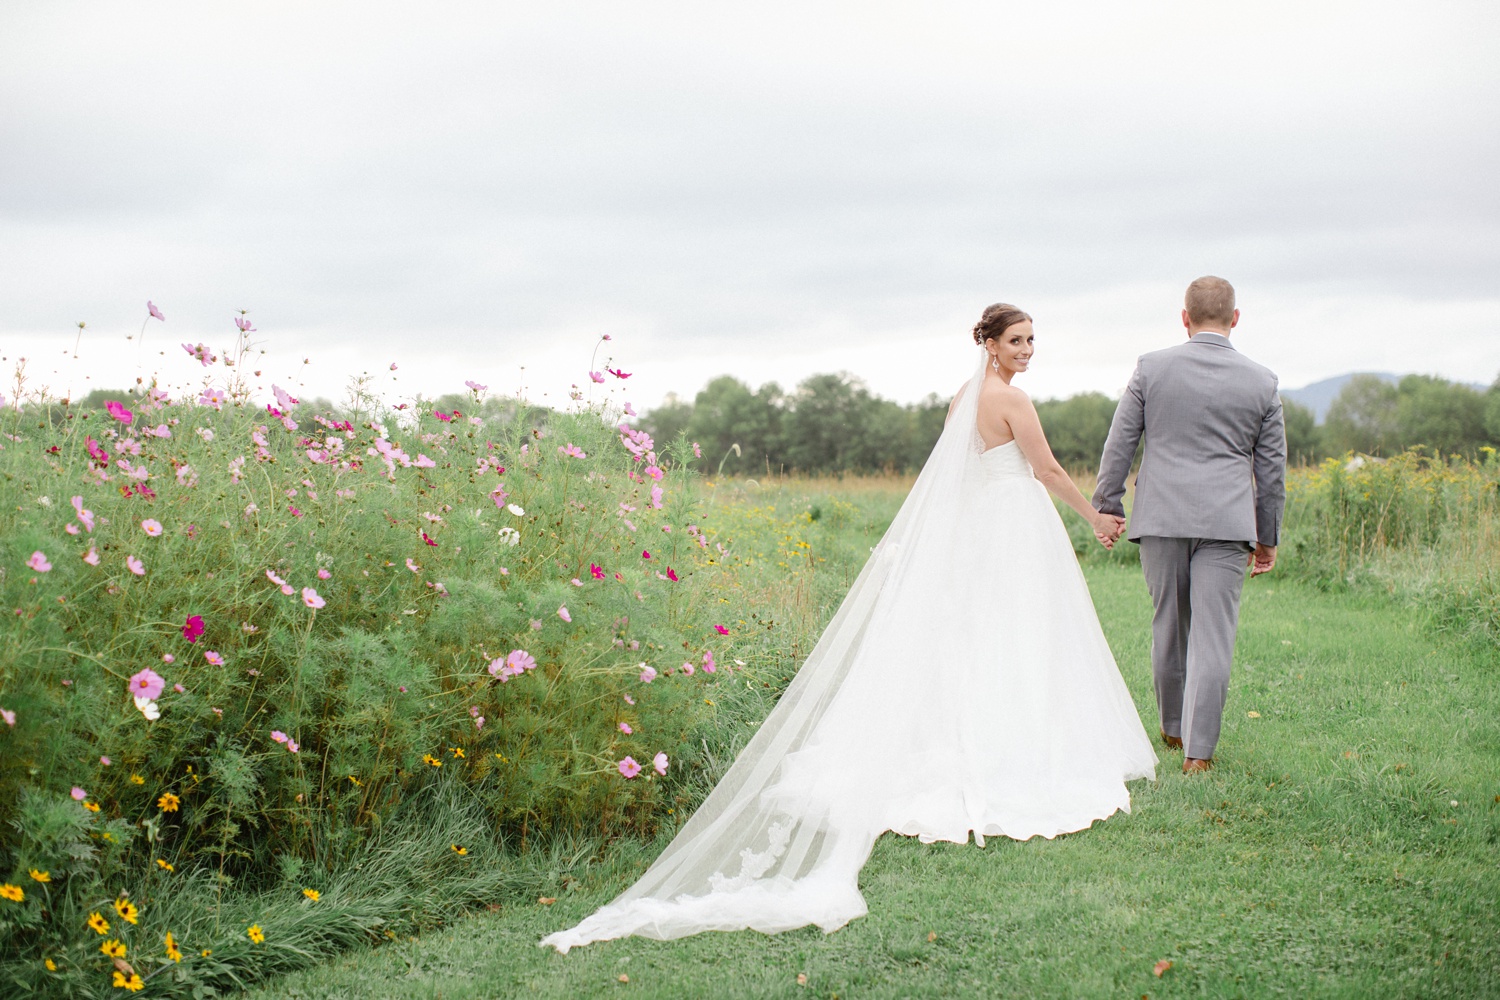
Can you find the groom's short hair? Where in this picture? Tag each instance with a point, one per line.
(1210, 300)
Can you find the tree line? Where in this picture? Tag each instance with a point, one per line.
(832, 423)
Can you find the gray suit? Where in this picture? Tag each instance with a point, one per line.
(1212, 483)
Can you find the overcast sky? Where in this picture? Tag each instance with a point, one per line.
(765, 189)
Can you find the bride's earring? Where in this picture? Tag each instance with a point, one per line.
(995, 361)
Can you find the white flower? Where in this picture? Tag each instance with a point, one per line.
(44, 501)
(515, 509)
(205, 433)
(148, 709)
(510, 536)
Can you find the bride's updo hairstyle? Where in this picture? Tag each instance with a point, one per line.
(996, 319)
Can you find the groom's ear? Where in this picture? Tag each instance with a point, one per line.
(1187, 324)
(1233, 322)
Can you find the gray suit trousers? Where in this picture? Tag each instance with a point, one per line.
(1195, 585)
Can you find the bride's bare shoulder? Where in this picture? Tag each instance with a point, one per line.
(995, 393)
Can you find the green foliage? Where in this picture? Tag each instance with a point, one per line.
(1076, 427)
(1303, 437)
(1374, 417)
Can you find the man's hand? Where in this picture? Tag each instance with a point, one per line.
(1262, 560)
(1108, 528)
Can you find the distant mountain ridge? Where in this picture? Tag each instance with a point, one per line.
(1318, 396)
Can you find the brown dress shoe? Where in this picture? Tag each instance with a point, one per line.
(1192, 764)
(1172, 742)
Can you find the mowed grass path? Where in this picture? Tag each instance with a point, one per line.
(1346, 845)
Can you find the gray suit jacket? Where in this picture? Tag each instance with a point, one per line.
(1215, 460)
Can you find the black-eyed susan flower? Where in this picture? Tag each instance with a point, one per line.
(429, 759)
(134, 983)
(173, 952)
(457, 751)
(40, 876)
(14, 893)
(91, 806)
(460, 851)
(98, 924)
(127, 911)
(136, 779)
(311, 894)
(168, 803)
(165, 865)
(206, 952)
(113, 948)
(254, 933)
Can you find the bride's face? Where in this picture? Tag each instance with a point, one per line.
(1013, 347)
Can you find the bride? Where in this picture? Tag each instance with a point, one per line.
(964, 686)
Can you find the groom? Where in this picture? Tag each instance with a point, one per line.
(1210, 490)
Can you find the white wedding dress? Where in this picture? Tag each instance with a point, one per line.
(964, 686)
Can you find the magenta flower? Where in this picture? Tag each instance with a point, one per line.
(659, 762)
(596, 571)
(192, 628)
(91, 556)
(151, 308)
(629, 767)
(213, 657)
(562, 612)
(118, 411)
(78, 794)
(147, 684)
(648, 673)
(151, 526)
(39, 562)
(617, 373)
(596, 376)
(645, 554)
(721, 630)
(311, 599)
(670, 575)
(96, 451)
(625, 728)
(135, 565)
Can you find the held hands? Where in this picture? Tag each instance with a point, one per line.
(1107, 528)
(1262, 559)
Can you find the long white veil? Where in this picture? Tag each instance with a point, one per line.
(779, 842)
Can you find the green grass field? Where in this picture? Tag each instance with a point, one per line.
(1345, 846)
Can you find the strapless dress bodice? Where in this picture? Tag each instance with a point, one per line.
(1003, 461)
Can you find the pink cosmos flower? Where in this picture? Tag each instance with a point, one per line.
(423, 462)
(617, 373)
(323, 574)
(654, 472)
(428, 539)
(625, 728)
(135, 565)
(670, 575)
(286, 588)
(620, 577)
(596, 571)
(96, 450)
(393, 366)
(475, 386)
(85, 517)
(151, 526)
(520, 661)
(78, 794)
(39, 562)
(271, 575)
(179, 689)
(8, 716)
(596, 376)
(214, 398)
(168, 658)
(311, 599)
(721, 630)
(576, 582)
(151, 308)
(628, 411)
(118, 411)
(648, 673)
(645, 554)
(629, 767)
(688, 668)
(628, 700)
(278, 736)
(213, 657)
(562, 612)
(243, 324)
(709, 666)
(193, 628)
(293, 746)
(105, 761)
(413, 566)
(204, 356)
(697, 451)
(91, 556)
(656, 497)
(659, 762)
(147, 684)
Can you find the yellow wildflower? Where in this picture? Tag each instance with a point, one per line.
(91, 806)
(98, 924)
(311, 894)
(206, 952)
(457, 751)
(166, 865)
(255, 933)
(172, 951)
(14, 893)
(428, 758)
(168, 803)
(356, 782)
(40, 876)
(113, 948)
(51, 965)
(134, 983)
(127, 911)
(459, 850)
(136, 779)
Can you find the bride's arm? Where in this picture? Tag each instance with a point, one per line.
(1032, 440)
